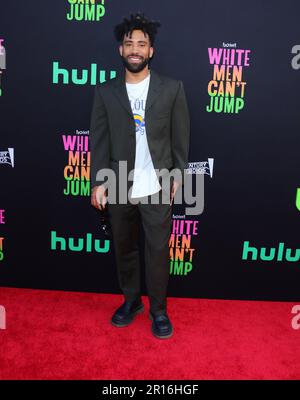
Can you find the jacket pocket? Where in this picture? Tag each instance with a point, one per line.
(163, 116)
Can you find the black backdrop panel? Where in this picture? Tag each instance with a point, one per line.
(47, 84)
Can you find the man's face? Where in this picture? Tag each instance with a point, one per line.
(136, 51)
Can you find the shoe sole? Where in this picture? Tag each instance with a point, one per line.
(160, 336)
(121, 325)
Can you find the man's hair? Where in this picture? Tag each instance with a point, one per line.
(137, 21)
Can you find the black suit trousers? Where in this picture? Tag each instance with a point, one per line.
(156, 220)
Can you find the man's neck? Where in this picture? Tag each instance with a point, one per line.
(136, 77)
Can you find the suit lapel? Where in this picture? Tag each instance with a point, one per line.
(121, 92)
(154, 89)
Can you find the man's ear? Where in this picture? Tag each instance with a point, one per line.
(151, 52)
(121, 50)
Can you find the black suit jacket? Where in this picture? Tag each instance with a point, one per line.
(112, 128)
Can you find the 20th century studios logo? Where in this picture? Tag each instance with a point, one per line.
(7, 157)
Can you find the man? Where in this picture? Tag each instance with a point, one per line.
(141, 118)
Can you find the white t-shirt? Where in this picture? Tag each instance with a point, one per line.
(145, 181)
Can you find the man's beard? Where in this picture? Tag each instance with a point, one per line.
(135, 67)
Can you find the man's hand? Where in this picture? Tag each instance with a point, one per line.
(175, 186)
(99, 198)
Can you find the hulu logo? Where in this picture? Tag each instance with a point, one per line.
(1, 249)
(92, 76)
(271, 254)
(80, 244)
(298, 199)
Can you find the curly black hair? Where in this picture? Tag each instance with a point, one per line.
(137, 21)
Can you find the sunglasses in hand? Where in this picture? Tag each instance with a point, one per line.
(105, 222)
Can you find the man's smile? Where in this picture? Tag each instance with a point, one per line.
(134, 58)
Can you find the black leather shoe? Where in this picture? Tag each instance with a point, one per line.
(161, 326)
(125, 314)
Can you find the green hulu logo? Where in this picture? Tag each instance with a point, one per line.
(298, 199)
(1, 249)
(272, 254)
(80, 244)
(92, 76)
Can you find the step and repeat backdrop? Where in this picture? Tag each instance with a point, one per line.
(240, 65)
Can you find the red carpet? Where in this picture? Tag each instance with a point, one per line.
(67, 335)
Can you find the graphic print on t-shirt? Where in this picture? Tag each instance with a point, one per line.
(138, 107)
(145, 181)
(139, 123)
